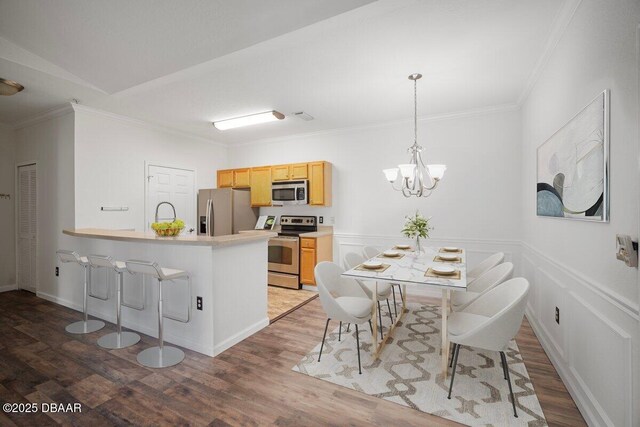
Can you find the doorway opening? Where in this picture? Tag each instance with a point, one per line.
(27, 227)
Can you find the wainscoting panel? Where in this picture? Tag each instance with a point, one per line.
(592, 348)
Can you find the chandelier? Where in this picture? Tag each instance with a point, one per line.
(416, 178)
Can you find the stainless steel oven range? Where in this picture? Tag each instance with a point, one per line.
(284, 250)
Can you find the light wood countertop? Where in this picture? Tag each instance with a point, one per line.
(193, 240)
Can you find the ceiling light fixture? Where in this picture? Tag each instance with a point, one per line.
(252, 119)
(417, 179)
(9, 87)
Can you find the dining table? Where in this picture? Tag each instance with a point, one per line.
(424, 269)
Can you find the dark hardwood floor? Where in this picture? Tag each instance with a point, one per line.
(250, 384)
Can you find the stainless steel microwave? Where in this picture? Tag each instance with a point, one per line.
(290, 193)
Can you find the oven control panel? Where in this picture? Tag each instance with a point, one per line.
(306, 221)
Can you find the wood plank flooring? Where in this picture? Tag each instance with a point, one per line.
(283, 301)
(250, 384)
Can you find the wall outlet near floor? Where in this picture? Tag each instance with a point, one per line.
(57, 271)
(557, 315)
(199, 303)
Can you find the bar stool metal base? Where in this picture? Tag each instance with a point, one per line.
(83, 327)
(155, 358)
(113, 340)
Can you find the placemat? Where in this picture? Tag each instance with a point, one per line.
(375, 270)
(403, 249)
(459, 251)
(431, 273)
(438, 259)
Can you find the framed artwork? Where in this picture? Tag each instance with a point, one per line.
(573, 166)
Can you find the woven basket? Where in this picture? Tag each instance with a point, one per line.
(168, 232)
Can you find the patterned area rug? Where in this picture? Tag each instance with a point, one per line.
(408, 373)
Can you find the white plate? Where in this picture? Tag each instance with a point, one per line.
(372, 264)
(445, 269)
(391, 253)
(448, 257)
(450, 249)
(403, 246)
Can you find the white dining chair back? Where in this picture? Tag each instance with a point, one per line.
(352, 260)
(492, 277)
(370, 251)
(504, 305)
(485, 265)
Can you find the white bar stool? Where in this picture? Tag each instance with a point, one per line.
(161, 356)
(118, 339)
(87, 325)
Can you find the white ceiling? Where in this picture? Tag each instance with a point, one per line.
(343, 62)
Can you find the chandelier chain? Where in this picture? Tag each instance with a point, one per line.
(415, 112)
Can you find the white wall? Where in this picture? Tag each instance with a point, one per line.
(572, 264)
(7, 208)
(50, 144)
(110, 155)
(474, 200)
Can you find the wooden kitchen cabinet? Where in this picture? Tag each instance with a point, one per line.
(320, 183)
(280, 173)
(241, 178)
(261, 186)
(225, 178)
(313, 251)
(291, 172)
(298, 171)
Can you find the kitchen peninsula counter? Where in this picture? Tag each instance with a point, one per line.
(139, 236)
(228, 273)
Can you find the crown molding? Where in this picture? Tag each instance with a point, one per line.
(558, 30)
(142, 123)
(476, 112)
(42, 117)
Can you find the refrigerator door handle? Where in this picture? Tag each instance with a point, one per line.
(207, 221)
(212, 216)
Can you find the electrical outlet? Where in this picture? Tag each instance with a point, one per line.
(557, 315)
(199, 303)
(332, 220)
(57, 271)
(321, 219)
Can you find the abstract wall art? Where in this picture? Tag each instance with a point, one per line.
(573, 175)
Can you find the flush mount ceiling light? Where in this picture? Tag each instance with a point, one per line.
(416, 178)
(9, 87)
(252, 119)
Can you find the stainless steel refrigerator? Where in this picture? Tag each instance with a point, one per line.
(223, 211)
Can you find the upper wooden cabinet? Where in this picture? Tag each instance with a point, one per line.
(280, 173)
(290, 172)
(259, 179)
(242, 178)
(261, 186)
(225, 178)
(320, 183)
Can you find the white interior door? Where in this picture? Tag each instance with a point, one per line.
(27, 227)
(173, 185)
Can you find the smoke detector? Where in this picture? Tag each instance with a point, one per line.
(303, 116)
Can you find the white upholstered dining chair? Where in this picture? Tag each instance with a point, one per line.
(490, 323)
(484, 266)
(482, 284)
(372, 252)
(352, 260)
(342, 299)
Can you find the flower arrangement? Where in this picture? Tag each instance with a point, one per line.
(417, 227)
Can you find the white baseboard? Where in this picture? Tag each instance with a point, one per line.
(245, 333)
(7, 288)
